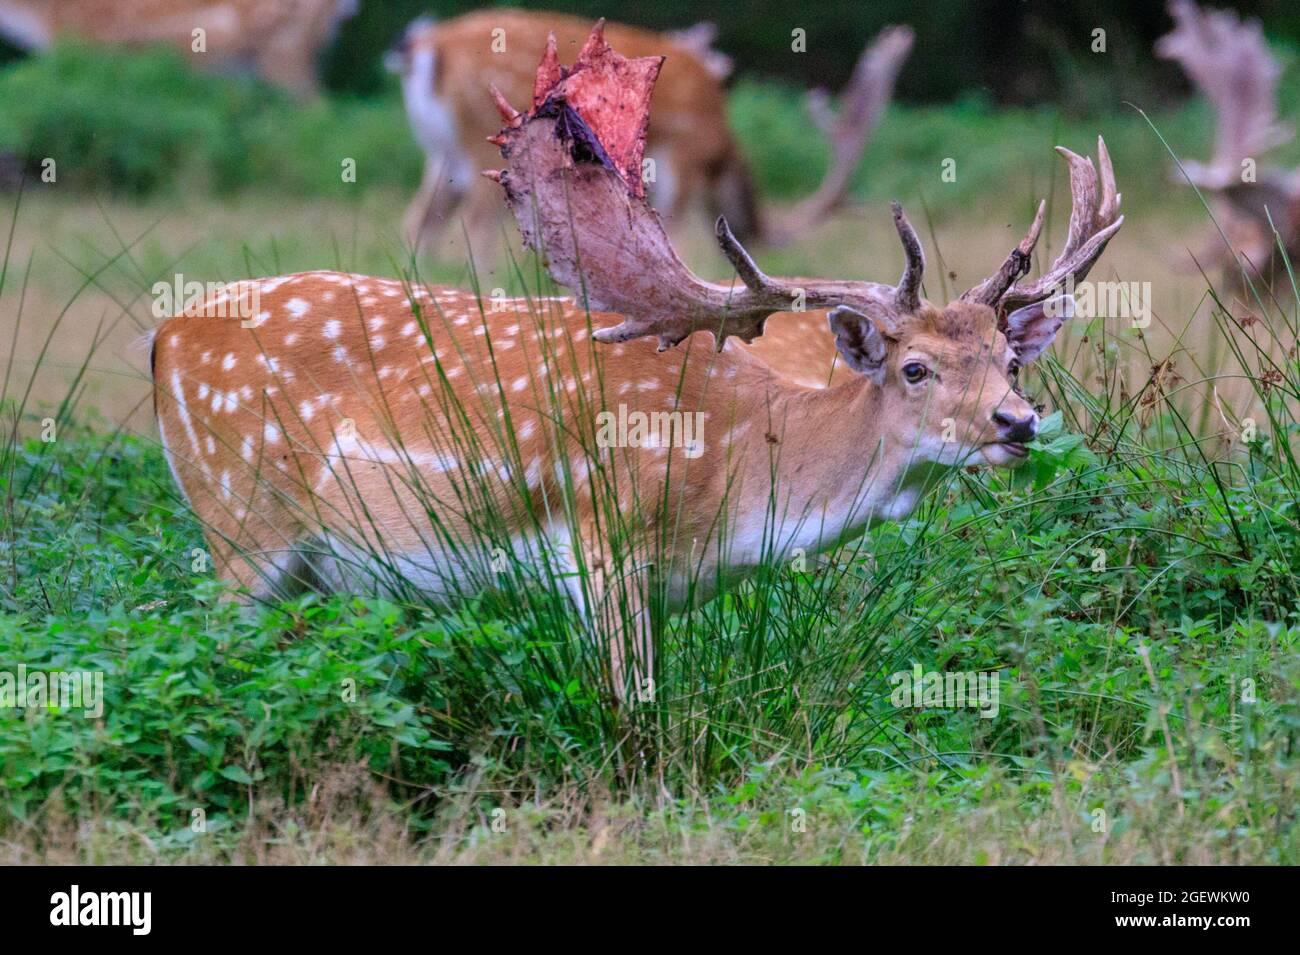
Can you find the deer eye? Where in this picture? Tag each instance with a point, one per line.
(914, 371)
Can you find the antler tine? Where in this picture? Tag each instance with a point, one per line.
(595, 42)
(1093, 221)
(698, 39)
(818, 104)
(907, 294)
(548, 71)
(1109, 197)
(1016, 265)
(508, 112)
(740, 259)
(1228, 60)
(862, 105)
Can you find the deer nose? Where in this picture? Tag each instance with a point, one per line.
(1011, 428)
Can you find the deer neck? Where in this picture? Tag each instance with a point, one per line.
(838, 464)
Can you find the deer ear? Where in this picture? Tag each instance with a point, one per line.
(1030, 330)
(860, 341)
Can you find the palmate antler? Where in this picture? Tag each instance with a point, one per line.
(862, 105)
(1227, 59)
(574, 187)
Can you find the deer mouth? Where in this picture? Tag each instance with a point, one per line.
(1005, 454)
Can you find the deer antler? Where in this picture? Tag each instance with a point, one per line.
(698, 39)
(1094, 219)
(862, 105)
(1227, 59)
(574, 186)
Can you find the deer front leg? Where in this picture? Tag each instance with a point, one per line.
(438, 197)
(626, 624)
(613, 599)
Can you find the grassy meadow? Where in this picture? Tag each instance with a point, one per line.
(1134, 586)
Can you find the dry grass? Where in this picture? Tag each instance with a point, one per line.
(117, 250)
(348, 820)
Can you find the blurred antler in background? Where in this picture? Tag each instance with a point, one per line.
(1228, 61)
(848, 131)
(699, 40)
(445, 67)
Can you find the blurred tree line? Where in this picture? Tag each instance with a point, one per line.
(1008, 51)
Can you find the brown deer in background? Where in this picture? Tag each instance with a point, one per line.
(446, 66)
(1228, 61)
(279, 39)
(329, 438)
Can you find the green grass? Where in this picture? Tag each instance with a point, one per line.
(134, 124)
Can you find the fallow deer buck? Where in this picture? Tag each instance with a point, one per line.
(445, 67)
(1228, 60)
(327, 440)
(279, 39)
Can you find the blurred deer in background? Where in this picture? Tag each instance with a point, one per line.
(445, 67)
(324, 443)
(279, 39)
(1228, 61)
